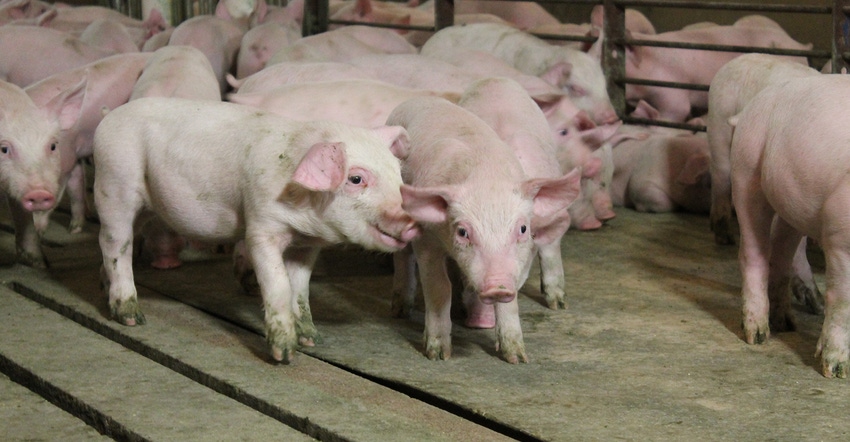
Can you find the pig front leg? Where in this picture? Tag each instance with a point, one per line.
(509, 340)
(552, 275)
(299, 264)
(27, 237)
(404, 282)
(437, 290)
(266, 252)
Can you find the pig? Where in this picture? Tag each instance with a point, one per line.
(181, 72)
(21, 9)
(287, 188)
(110, 36)
(664, 172)
(504, 105)
(583, 79)
(467, 190)
(364, 103)
(75, 20)
(31, 161)
(691, 66)
(32, 53)
(217, 36)
(260, 43)
(108, 84)
(343, 44)
(177, 71)
(735, 85)
(276, 75)
(789, 181)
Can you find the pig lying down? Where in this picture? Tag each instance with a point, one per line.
(286, 188)
(797, 172)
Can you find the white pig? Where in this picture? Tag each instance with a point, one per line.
(796, 170)
(31, 162)
(583, 81)
(504, 105)
(477, 207)
(286, 187)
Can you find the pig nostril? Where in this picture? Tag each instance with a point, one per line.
(38, 200)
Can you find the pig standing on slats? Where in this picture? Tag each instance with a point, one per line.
(287, 188)
(476, 207)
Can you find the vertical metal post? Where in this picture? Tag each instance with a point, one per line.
(614, 54)
(315, 17)
(444, 14)
(841, 36)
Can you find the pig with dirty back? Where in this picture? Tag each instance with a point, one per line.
(797, 172)
(31, 162)
(286, 188)
(469, 193)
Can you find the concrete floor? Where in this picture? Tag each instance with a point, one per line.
(650, 348)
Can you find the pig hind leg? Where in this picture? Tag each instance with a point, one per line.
(552, 274)
(803, 284)
(784, 244)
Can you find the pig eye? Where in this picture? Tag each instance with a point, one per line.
(523, 229)
(355, 179)
(53, 147)
(563, 132)
(4, 149)
(463, 233)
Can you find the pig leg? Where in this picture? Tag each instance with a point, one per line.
(437, 290)
(754, 217)
(784, 244)
(552, 275)
(834, 343)
(116, 244)
(509, 333)
(404, 282)
(719, 139)
(77, 193)
(266, 252)
(803, 283)
(27, 237)
(299, 264)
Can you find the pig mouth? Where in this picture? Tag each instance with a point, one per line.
(388, 239)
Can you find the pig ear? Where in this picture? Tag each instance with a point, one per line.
(557, 74)
(597, 136)
(551, 195)
(221, 10)
(694, 169)
(427, 205)
(597, 16)
(548, 101)
(67, 106)
(46, 17)
(396, 137)
(646, 110)
(363, 7)
(323, 167)
(261, 8)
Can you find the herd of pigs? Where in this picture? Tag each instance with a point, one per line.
(479, 145)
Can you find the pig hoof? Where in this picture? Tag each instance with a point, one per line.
(807, 295)
(435, 350)
(722, 234)
(308, 335)
(758, 336)
(400, 308)
(76, 227)
(782, 322)
(32, 260)
(556, 302)
(838, 370)
(588, 224)
(128, 312)
(512, 350)
(284, 356)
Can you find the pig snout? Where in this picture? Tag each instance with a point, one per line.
(497, 291)
(397, 229)
(38, 200)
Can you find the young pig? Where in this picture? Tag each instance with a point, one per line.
(31, 162)
(735, 84)
(797, 172)
(476, 207)
(524, 128)
(286, 187)
(583, 79)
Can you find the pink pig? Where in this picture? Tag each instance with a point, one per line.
(260, 43)
(287, 188)
(476, 206)
(276, 75)
(343, 44)
(31, 161)
(579, 75)
(523, 127)
(797, 172)
(24, 58)
(364, 103)
(108, 84)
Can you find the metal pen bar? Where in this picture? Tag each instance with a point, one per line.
(726, 48)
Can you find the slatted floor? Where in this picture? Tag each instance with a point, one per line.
(650, 348)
